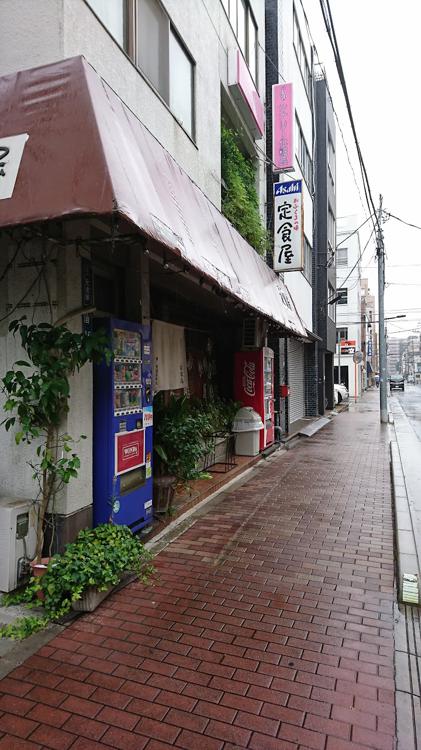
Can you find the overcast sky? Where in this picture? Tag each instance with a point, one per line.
(380, 46)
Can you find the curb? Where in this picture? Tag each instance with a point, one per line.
(408, 568)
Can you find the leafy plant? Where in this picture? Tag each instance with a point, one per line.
(240, 202)
(37, 398)
(98, 557)
(181, 437)
(220, 413)
(22, 627)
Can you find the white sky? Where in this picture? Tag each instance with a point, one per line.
(380, 46)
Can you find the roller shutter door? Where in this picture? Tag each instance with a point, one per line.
(296, 380)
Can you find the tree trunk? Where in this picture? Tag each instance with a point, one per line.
(47, 490)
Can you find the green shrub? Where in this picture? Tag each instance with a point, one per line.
(98, 558)
(240, 202)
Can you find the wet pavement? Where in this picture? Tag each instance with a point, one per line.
(269, 626)
(410, 400)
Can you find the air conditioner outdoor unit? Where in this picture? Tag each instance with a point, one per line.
(17, 540)
(254, 330)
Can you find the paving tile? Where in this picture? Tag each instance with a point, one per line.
(270, 627)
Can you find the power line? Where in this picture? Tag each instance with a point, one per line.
(330, 29)
(359, 257)
(408, 223)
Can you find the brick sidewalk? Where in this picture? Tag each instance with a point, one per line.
(270, 627)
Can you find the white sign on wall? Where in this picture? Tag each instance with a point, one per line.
(288, 223)
(11, 150)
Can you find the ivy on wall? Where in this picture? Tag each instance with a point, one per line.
(240, 202)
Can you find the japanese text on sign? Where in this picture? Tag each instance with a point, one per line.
(288, 226)
(282, 127)
(11, 150)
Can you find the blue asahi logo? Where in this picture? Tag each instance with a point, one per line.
(286, 188)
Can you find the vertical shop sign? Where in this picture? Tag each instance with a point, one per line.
(288, 223)
(282, 128)
(11, 150)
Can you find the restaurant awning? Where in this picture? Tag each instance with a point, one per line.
(87, 153)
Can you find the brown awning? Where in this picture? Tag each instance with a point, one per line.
(87, 153)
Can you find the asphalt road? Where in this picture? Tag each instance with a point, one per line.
(410, 400)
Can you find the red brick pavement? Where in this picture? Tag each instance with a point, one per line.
(269, 627)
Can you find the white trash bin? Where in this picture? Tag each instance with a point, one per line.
(246, 427)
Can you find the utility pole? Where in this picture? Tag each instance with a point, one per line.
(382, 333)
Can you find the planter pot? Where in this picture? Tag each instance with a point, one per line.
(163, 493)
(38, 569)
(90, 599)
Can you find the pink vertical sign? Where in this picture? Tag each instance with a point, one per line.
(282, 127)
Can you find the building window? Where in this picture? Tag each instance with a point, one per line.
(331, 159)
(342, 256)
(245, 29)
(114, 16)
(303, 156)
(343, 296)
(302, 57)
(341, 334)
(181, 83)
(144, 30)
(331, 294)
(308, 260)
(331, 232)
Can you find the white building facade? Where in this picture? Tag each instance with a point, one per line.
(179, 78)
(348, 308)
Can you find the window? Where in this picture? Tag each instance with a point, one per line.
(341, 334)
(331, 231)
(145, 31)
(164, 60)
(152, 53)
(342, 256)
(308, 260)
(331, 294)
(331, 160)
(343, 296)
(303, 156)
(114, 17)
(245, 29)
(302, 57)
(181, 83)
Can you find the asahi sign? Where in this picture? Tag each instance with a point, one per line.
(288, 222)
(11, 150)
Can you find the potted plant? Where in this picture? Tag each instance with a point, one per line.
(81, 577)
(181, 438)
(37, 394)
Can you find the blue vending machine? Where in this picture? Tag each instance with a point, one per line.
(123, 418)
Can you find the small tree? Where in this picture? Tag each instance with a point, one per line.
(38, 400)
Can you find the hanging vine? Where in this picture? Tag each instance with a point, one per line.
(240, 202)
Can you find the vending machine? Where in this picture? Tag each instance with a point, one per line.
(123, 419)
(254, 386)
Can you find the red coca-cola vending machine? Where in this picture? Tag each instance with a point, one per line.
(254, 386)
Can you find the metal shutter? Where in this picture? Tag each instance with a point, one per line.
(296, 380)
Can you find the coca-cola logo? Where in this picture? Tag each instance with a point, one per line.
(249, 378)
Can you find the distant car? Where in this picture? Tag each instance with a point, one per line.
(340, 393)
(397, 383)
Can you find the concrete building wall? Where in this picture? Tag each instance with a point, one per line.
(44, 31)
(299, 286)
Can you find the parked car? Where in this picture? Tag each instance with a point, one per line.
(397, 383)
(340, 393)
